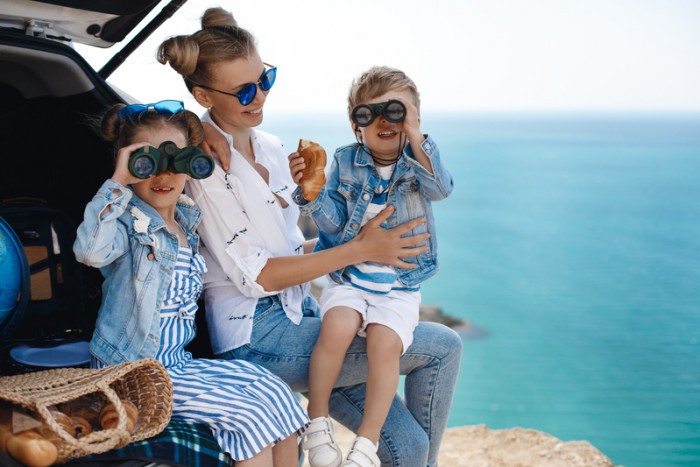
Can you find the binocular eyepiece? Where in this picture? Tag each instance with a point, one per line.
(147, 161)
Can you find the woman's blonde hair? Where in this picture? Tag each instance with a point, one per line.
(193, 55)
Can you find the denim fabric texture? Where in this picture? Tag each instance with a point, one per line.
(136, 253)
(352, 181)
(415, 425)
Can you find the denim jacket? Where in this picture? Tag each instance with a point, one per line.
(339, 208)
(136, 254)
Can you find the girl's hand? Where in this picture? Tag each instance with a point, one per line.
(296, 166)
(216, 145)
(388, 246)
(122, 175)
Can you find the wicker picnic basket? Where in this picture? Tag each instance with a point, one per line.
(144, 382)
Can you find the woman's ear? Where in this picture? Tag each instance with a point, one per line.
(201, 97)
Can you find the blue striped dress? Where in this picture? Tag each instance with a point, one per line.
(246, 406)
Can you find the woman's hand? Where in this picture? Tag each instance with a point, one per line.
(216, 145)
(388, 246)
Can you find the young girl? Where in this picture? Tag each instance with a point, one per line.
(258, 304)
(141, 234)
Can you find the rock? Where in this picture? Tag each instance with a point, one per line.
(434, 314)
(477, 445)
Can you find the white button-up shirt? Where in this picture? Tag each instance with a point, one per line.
(243, 225)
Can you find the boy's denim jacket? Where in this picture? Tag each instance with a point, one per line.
(136, 255)
(340, 206)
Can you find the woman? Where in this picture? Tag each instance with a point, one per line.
(257, 296)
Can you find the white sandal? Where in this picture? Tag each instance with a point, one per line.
(318, 440)
(363, 453)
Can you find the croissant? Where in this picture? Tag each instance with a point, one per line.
(63, 421)
(81, 426)
(313, 176)
(109, 417)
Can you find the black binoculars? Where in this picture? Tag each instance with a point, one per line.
(392, 110)
(147, 161)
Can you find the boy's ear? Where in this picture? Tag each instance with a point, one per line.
(201, 97)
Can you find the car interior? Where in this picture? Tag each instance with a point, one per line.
(53, 162)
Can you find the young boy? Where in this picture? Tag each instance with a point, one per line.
(392, 164)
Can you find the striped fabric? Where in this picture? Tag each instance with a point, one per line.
(375, 277)
(246, 406)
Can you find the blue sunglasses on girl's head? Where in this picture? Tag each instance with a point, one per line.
(247, 93)
(165, 108)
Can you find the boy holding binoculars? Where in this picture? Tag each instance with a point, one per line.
(391, 164)
(140, 231)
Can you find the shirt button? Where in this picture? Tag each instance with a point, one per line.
(355, 226)
(365, 196)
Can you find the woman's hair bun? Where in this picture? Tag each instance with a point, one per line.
(218, 17)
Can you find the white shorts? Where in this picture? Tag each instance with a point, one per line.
(397, 310)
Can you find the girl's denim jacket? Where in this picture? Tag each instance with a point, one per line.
(339, 208)
(136, 255)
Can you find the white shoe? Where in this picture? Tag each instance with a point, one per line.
(363, 453)
(318, 440)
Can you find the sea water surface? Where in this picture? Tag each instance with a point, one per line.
(571, 244)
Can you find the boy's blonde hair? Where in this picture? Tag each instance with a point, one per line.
(379, 80)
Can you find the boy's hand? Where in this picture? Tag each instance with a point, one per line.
(122, 175)
(411, 122)
(296, 166)
(216, 145)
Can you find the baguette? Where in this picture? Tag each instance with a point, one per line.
(29, 448)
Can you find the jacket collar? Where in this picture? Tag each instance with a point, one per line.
(186, 214)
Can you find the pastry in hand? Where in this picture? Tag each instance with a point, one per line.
(109, 418)
(313, 176)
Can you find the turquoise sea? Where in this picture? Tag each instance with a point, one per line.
(571, 244)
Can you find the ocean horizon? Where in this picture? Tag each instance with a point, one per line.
(571, 244)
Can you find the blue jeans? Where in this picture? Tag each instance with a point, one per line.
(413, 430)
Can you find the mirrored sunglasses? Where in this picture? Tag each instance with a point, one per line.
(165, 108)
(392, 110)
(247, 94)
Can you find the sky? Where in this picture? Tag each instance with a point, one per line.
(464, 55)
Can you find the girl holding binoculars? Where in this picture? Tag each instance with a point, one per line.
(392, 163)
(140, 231)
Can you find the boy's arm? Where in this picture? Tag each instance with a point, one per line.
(437, 183)
(328, 210)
